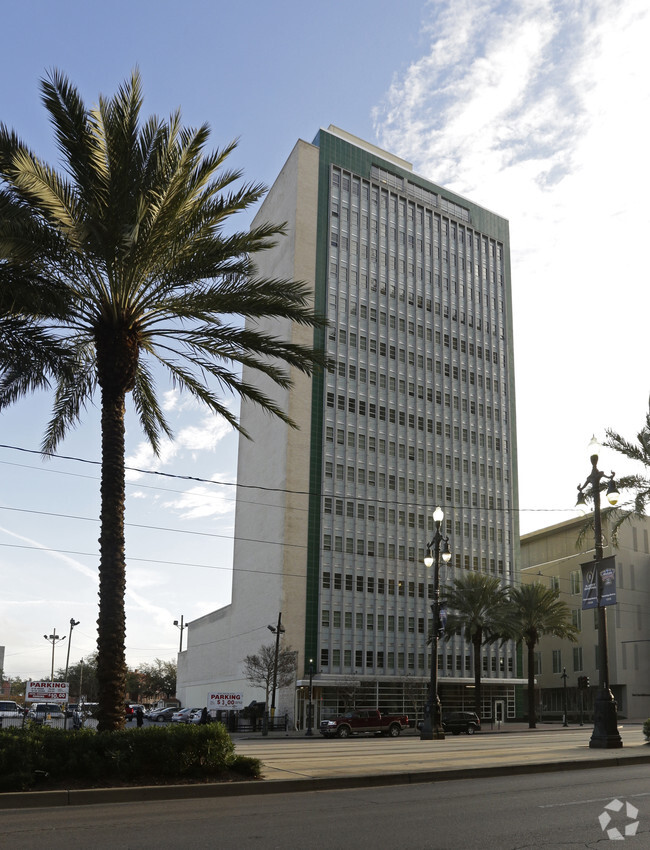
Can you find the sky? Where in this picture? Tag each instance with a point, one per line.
(535, 109)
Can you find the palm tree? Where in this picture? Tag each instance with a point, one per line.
(135, 232)
(535, 610)
(473, 603)
(638, 485)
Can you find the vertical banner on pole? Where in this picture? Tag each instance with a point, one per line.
(606, 570)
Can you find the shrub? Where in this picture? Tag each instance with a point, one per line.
(646, 729)
(47, 757)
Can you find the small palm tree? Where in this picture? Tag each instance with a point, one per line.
(135, 233)
(473, 604)
(534, 610)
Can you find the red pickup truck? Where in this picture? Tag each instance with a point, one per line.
(364, 721)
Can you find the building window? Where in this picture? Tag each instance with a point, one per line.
(576, 619)
(575, 581)
(577, 658)
(557, 660)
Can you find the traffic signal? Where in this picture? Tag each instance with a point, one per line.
(583, 682)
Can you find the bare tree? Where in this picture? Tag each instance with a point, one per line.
(259, 668)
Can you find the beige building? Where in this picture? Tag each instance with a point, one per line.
(554, 556)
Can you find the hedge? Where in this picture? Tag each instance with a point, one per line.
(38, 756)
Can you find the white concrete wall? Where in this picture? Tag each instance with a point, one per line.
(270, 551)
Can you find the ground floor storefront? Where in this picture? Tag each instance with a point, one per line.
(500, 699)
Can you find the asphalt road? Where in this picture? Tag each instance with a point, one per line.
(553, 811)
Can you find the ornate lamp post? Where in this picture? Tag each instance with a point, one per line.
(564, 677)
(310, 707)
(605, 734)
(432, 725)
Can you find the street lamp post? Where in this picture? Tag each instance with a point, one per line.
(277, 631)
(564, 676)
(432, 724)
(73, 623)
(53, 639)
(605, 734)
(181, 627)
(310, 707)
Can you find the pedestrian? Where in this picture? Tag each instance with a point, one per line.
(204, 716)
(139, 716)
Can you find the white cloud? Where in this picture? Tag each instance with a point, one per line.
(202, 437)
(205, 436)
(171, 400)
(202, 501)
(537, 110)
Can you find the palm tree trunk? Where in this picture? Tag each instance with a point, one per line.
(531, 685)
(476, 642)
(111, 627)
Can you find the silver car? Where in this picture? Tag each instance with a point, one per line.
(42, 711)
(185, 715)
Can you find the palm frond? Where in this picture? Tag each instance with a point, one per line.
(71, 397)
(148, 409)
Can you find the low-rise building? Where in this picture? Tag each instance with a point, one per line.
(554, 556)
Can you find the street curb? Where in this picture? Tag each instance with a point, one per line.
(148, 793)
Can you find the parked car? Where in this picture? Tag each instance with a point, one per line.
(160, 715)
(42, 711)
(364, 721)
(461, 721)
(132, 710)
(185, 715)
(8, 708)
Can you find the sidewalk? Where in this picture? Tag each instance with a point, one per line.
(293, 762)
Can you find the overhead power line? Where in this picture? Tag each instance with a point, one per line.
(319, 494)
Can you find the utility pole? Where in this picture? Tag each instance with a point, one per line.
(73, 623)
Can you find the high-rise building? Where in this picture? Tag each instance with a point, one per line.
(416, 410)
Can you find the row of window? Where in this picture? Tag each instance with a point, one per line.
(406, 519)
(353, 340)
(384, 281)
(410, 660)
(397, 323)
(359, 190)
(394, 449)
(387, 481)
(378, 622)
(347, 286)
(360, 407)
(354, 193)
(349, 371)
(460, 561)
(429, 263)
